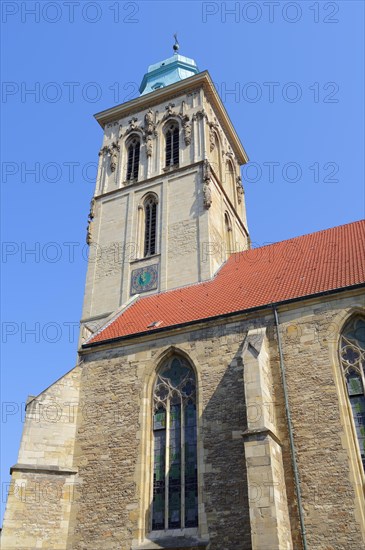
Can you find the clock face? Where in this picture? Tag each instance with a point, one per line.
(144, 279)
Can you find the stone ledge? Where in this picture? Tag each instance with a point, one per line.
(263, 432)
(173, 543)
(31, 468)
(146, 258)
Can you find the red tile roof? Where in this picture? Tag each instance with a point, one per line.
(299, 267)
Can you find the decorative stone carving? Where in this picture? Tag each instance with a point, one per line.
(207, 192)
(92, 209)
(213, 128)
(169, 110)
(114, 153)
(182, 109)
(149, 146)
(149, 131)
(239, 188)
(207, 172)
(149, 122)
(211, 140)
(90, 222)
(186, 124)
(111, 124)
(88, 233)
(132, 124)
(200, 114)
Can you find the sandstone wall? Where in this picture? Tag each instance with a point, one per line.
(43, 480)
(247, 495)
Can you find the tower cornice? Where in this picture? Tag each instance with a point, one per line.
(187, 85)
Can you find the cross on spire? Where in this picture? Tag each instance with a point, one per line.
(176, 46)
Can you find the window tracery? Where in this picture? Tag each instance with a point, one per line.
(175, 489)
(172, 145)
(150, 225)
(133, 153)
(352, 356)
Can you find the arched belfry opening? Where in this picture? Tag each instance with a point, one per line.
(172, 137)
(150, 225)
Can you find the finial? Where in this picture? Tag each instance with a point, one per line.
(176, 46)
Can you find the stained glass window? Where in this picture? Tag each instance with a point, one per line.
(352, 353)
(175, 482)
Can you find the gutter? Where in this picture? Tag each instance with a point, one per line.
(216, 317)
(291, 432)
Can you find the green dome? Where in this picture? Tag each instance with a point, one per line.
(167, 72)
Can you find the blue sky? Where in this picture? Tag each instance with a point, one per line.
(290, 76)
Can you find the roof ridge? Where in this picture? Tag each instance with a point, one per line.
(235, 254)
(323, 261)
(361, 221)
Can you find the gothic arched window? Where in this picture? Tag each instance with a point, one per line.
(175, 485)
(228, 233)
(133, 150)
(216, 154)
(150, 225)
(172, 144)
(230, 179)
(352, 355)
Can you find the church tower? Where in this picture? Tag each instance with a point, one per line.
(218, 402)
(169, 206)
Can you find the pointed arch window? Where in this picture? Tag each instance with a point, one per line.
(150, 225)
(230, 174)
(133, 152)
(216, 154)
(228, 233)
(352, 355)
(175, 487)
(172, 145)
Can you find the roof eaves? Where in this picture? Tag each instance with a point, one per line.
(223, 315)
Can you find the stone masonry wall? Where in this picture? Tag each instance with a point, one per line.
(110, 505)
(331, 482)
(111, 454)
(43, 481)
(111, 466)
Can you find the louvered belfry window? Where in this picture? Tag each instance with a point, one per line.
(172, 145)
(175, 482)
(133, 159)
(352, 355)
(150, 212)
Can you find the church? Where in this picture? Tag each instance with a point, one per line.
(219, 397)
